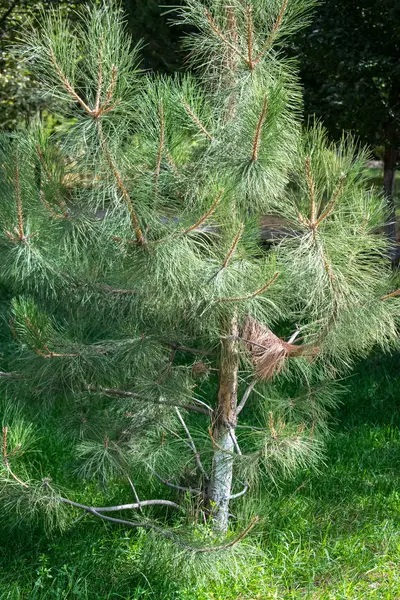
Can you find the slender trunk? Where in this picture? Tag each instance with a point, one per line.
(389, 174)
(225, 422)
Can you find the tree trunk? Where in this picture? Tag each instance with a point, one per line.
(224, 424)
(389, 174)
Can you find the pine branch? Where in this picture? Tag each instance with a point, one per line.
(196, 120)
(121, 186)
(253, 295)
(6, 463)
(204, 218)
(272, 35)
(233, 247)
(124, 394)
(311, 191)
(64, 80)
(257, 137)
(249, 11)
(161, 144)
(391, 295)
(332, 203)
(50, 178)
(222, 37)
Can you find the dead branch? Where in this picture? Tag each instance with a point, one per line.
(191, 443)
(246, 395)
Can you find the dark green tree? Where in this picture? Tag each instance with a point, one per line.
(142, 294)
(351, 74)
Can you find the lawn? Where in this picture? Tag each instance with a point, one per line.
(328, 535)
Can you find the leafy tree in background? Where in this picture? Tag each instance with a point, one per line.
(20, 95)
(351, 73)
(142, 294)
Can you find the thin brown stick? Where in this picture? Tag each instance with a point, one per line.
(18, 201)
(121, 186)
(311, 190)
(204, 218)
(332, 203)
(67, 84)
(233, 247)
(161, 144)
(257, 137)
(391, 295)
(249, 13)
(5, 459)
(273, 33)
(253, 295)
(99, 76)
(219, 33)
(111, 87)
(196, 120)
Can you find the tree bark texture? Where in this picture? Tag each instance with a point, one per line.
(223, 426)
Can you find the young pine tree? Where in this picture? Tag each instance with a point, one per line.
(185, 350)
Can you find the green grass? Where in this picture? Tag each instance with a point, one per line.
(328, 535)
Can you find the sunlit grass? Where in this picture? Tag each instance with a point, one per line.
(333, 535)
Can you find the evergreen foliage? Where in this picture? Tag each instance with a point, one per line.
(186, 350)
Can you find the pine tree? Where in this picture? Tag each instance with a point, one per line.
(140, 291)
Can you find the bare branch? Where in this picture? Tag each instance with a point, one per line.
(125, 394)
(136, 505)
(241, 493)
(191, 443)
(135, 494)
(246, 395)
(175, 485)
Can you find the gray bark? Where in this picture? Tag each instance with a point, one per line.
(223, 426)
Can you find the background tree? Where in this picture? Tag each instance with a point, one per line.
(20, 94)
(351, 74)
(141, 290)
